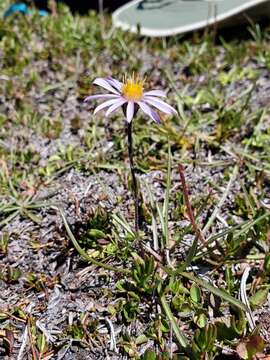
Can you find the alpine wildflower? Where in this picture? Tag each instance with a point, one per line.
(130, 95)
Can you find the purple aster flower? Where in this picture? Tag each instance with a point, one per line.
(131, 96)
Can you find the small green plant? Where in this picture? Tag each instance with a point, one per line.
(203, 342)
(4, 240)
(10, 275)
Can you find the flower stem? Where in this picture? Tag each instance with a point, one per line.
(134, 183)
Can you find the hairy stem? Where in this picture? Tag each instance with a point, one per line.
(134, 183)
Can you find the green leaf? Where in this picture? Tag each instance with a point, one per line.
(41, 343)
(266, 265)
(183, 341)
(190, 256)
(200, 320)
(96, 234)
(219, 292)
(195, 293)
(149, 355)
(141, 339)
(36, 219)
(259, 298)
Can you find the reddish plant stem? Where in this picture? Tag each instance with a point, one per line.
(188, 204)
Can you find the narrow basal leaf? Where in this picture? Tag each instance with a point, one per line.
(183, 341)
(216, 291)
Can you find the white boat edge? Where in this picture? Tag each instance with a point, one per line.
(181, 29)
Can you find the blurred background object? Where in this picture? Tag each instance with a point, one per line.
(23, 8)
(171, 17)
(80, 6)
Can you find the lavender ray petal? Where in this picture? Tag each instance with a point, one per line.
(105, 104)
(100, 96)
(106, 85)
(160, 93)
(115, 83)
(115, 106)
(148, 111)
(160, 105)
(130, 111)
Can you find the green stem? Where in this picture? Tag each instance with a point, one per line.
(134, 183)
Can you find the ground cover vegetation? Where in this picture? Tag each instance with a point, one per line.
(76, 280)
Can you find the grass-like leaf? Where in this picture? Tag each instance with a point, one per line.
(83, 253)
(216, 291)
(190, 256)
(183, 341)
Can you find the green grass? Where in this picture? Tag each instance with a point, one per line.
(180, 277)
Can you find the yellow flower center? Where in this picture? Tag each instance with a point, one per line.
(133, 89)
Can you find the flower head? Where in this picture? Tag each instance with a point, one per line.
(131, 95)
